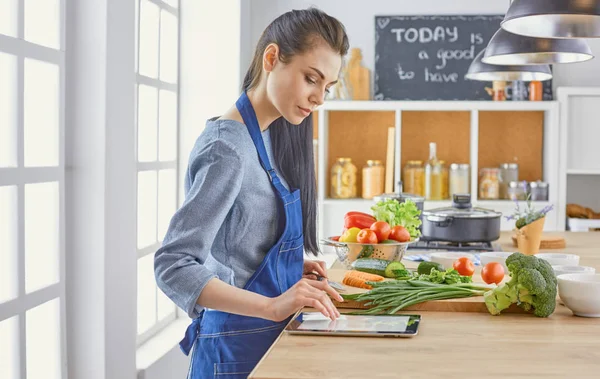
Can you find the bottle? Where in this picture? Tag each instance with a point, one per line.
(433, 175)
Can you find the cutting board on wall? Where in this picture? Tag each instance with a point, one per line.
(469, 304)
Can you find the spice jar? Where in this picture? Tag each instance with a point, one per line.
(517, 190)
(509, 172)
(536, 91)
(343, 179)
(372, 179)
(539, 191)
(459, 179)
(413, 178)
(489, 184)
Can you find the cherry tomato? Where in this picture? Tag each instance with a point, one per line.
(399, 233)
(464, 266)
(492, 272)
(366, 236)
(382, 229)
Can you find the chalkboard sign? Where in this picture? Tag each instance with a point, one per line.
(427, 57)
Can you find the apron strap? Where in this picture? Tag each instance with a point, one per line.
(246, 110)
(191, 334)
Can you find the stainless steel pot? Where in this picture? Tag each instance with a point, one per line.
(461, 222)
(402, 197)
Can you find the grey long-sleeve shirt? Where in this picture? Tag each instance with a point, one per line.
(228, 221)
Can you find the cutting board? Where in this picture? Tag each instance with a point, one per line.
(547, 242)
(469, 304)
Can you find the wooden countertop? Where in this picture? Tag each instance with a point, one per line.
(456, 345)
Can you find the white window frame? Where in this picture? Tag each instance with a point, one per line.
(158, 165)
(20, 176)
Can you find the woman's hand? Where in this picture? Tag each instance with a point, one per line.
(305, 293)
(312, 267)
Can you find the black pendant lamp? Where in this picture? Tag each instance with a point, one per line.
(554, 18)
(509, 49)
(479, 70)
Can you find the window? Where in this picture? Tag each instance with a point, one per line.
(32, 189)
(157, 67)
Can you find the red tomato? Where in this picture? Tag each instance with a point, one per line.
(399, 233)
(382, 230)
(492, 272)
(464, 266)
(366, 236)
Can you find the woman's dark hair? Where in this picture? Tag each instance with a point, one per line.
(295, 33)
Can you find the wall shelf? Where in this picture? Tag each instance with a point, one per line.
(583, 171)
(413, 118)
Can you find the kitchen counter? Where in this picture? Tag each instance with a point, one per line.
(456, 345)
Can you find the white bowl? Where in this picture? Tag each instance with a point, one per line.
(447, 259)
(495, 256)
(558, 259)
(580, 293)
(559, 270)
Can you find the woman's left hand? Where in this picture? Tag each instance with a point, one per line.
(314, 268)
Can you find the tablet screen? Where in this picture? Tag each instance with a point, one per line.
(372, 324)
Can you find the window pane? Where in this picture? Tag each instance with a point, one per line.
(8, 107)
(168, 47)
(149, 14)
(146, 209)
(41, 113)
(167, 126)
(165, 306)
(42, 22)
(173, 3)
(43, 341)
(137, 33)
(8, 17)
(147, 114)
(8, 243)
(9, 348)
(41, 235)
(167, 200)
(146, 294)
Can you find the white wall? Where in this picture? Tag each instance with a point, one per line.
(358, 18)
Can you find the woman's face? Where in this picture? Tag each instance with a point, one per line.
(297, 87)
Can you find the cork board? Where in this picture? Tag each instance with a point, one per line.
(451, 132)
(507, 137)
(360, 135)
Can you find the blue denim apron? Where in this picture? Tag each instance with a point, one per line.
(228, 345)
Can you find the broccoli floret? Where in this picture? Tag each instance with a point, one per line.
(532, 287)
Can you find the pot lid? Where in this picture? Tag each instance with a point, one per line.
(463, 213)
(461, 208)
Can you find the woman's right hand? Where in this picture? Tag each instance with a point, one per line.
(305, 293)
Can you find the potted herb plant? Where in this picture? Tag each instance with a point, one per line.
(529, 225)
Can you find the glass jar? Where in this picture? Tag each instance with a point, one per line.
(489, 183)
(539, 191)
(459, 179)
(517, 190)
(413, 178)
(372, 179)
(444, 180)
(343, 179)
(509, 172)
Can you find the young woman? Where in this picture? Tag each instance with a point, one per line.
(233, 255)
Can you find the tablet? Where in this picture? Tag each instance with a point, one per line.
(314, 323)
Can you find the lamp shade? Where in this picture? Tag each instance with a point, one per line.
(488, 72)
(508, 49)
(554, 18)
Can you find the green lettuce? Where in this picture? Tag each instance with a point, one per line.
(395, 213)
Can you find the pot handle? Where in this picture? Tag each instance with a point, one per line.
(441, 221)
(332, 243)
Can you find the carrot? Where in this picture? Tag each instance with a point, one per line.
(359, 279)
